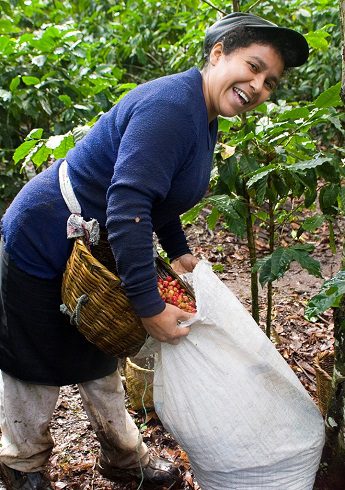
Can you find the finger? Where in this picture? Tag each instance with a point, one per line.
(195, 261)
(182, 332)
(173, 341)
(185, 316)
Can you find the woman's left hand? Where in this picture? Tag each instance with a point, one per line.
(185, 263)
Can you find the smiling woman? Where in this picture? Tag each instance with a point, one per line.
(245, 57)
(238, 82)
(143, 164)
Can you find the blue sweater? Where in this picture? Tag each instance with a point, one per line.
(144, 163)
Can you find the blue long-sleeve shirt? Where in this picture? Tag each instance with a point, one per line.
(144, 163)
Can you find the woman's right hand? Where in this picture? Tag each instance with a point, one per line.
(164, 326)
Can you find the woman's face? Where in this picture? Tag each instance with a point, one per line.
(242, 80)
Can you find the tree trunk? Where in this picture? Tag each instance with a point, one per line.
(342, 16)
(333, 458)
(334, 452)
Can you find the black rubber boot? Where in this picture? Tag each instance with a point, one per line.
(158, 472)
(18, 480)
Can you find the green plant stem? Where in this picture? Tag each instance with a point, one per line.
(342, 267)
(253, 5)
(254, 286)
(269, 310)
(271, 230)
(214, 7)
(332, 245)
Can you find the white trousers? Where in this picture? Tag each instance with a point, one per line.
(26, 410)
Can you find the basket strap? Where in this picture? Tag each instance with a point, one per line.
(74, 316)
(76, 225)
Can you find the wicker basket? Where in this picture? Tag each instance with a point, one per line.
(139, 383)
(323, 364)
(97, 304)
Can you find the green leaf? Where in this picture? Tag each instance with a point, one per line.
(312, 223)
(280, 185)
(47, 42)
(337, 123)
(5, 7)
(7, 26)
(261, 173)
(212, 218)
(294, 114)
(5, 46)
(233, 210)
(329, 296)
(218, 267)
(308, 164)
(310, 196)
(280, 261)
(14, 83)
(261, 190)
(66, 144)
(275, 265)
(317, 39)
(224, 125)
(66, 99)
(330, 98)
(248, 164)
(23, 150)
(328, 198)
(41, 155)
(262, 108)
(190, 216)
(35, 134)
(228, 172)
(30, 80)
(307, 262)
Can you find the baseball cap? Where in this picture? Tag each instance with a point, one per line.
(292, 40)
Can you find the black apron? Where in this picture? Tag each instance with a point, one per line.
(37, 342)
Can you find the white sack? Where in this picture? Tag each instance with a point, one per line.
(231, 401)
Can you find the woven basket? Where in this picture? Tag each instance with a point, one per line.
(324, 364)
(97, 304)
(139, 383)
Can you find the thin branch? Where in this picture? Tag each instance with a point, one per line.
(214, 7)
(254, 5)
(304, 371)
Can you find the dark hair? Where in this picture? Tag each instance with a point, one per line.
(243, 36)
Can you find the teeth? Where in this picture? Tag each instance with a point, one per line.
(242, 94)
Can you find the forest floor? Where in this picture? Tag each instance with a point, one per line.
(73, 461)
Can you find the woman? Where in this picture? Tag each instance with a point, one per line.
(144, 163)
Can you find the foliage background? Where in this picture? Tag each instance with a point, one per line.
(66, 63)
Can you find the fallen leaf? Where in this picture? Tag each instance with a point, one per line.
(59, 485)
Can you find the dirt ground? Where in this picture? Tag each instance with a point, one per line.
(72, 464)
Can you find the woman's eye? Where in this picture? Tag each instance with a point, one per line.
(253, 67)
(269, 85)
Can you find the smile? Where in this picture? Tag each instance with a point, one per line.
(243, 96)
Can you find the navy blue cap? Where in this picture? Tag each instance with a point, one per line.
(293, 40)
